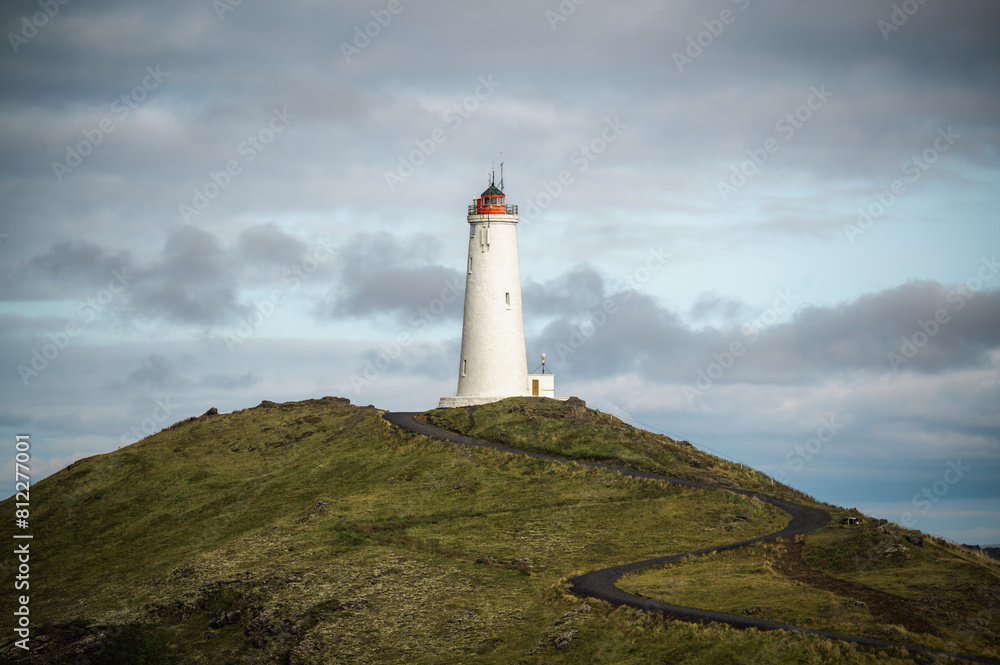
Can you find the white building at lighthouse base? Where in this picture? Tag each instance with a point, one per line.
(539, 385)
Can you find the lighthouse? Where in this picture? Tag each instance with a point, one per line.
(493, 363)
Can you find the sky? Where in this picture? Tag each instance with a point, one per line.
(768, 228)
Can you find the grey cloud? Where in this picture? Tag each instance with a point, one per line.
(191, 282)
(248, 379)
(641, 336)
(580, 289)
(74, 261)
(862, 334)
(714, 306)
(268, 244)
(193, 279)
(67, 269)
(154, 371)
(390, 276)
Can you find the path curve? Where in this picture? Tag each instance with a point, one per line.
(602, 584)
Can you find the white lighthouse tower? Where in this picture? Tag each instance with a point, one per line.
(493, 363)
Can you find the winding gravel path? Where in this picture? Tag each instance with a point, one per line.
(602, 584)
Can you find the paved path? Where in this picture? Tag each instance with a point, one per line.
(602, 584)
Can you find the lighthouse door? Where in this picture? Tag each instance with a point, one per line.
(534, 387)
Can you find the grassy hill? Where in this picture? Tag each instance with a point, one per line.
(315, 532)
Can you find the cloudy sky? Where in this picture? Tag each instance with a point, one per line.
(770, 228)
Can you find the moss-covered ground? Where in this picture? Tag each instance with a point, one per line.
(315, 532)
(954, 592)
(570, 430)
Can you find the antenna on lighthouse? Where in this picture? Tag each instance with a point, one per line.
(501, 171)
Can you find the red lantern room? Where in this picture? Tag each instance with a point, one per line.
(492, 202)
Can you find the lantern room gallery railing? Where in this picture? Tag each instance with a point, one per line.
(492, 209)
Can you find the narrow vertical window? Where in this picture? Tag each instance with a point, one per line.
(465, 364)
(507, 297)
(470, 265)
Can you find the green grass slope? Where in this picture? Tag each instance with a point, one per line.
(569, 429)
(315, 532)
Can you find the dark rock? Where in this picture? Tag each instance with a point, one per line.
(226, 619)
(562, 640)
(915, 538)
(318, 508)
(582, 609)
(575, 408)
(887, 551)
(212, 412)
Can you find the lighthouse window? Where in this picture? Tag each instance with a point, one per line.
(470, 265)
(465, 364)
(508, 300)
